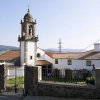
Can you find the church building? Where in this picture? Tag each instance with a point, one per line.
(31, 55)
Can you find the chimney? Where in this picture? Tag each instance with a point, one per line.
(97, 47)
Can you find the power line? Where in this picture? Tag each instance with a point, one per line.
(90, 45)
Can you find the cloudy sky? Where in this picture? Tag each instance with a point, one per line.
(76, 22)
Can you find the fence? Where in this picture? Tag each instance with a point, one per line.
(81, 76)
(15, 79)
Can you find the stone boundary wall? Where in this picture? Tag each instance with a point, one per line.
(66, 91)
(1, 78)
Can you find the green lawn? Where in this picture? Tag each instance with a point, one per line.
(78, 81)
(11, 83)
(55, 79)
(19, 80)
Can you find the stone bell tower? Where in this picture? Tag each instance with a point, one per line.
(28, 40)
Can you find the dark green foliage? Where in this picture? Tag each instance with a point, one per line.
(90, 80)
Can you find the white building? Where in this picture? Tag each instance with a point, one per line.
(30, 55)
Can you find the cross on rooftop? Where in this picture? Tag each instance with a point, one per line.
(28, 8)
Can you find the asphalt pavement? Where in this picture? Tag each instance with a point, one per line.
(17, 96)
(39, 98)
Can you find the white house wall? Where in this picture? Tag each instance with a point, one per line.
(42, 53)
(19, 72)
(7, 63)
(76, 64)
(96, 63)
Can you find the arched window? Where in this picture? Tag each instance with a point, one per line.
(23, 30)
(30, 30)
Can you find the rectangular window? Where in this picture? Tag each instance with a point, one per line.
(69, 62)
(88, 63)
(56, 61)
(30, 57)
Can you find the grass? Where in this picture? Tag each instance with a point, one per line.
(12, 87)
(19, 80)
(11, 83)
(55, 79)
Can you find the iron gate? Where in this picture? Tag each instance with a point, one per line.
(15, 80)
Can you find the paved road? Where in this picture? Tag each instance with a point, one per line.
(37, 98)
(18, 96)
(10, 98)
(53, 98)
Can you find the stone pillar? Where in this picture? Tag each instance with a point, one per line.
(3, 77)
(39, 73)
(93, 72)
(30, 78)
(97, 77)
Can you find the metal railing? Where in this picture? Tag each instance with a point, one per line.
(82, 76)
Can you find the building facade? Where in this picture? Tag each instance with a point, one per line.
(30, 55)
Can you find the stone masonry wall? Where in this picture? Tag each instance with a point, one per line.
(67, 91)
(31, 77)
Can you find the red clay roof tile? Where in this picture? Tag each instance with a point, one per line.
(10, 55)
(13, 54)
(42, 62)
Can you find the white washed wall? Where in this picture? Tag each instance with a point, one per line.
(76, 64)
(31, 52)
(48, 58)
(22, 53)
(42, 53)
(96, 63)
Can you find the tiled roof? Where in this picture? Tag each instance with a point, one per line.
(13, 66)
(10, 55)
(13, 54)
(65, 55)
(49, 54)
(38, 63)
(82, 55)
(89, 55)
(42, 62)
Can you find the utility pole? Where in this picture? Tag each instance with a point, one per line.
(60, 45)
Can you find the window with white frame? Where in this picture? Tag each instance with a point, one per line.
(69, 62)
(88, 63)
(56, 61)
(31, 57)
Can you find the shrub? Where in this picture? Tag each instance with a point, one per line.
(90, 80)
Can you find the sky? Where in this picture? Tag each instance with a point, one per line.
(76, 22)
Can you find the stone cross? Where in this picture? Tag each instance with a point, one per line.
(93, 66)
(28, 6)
